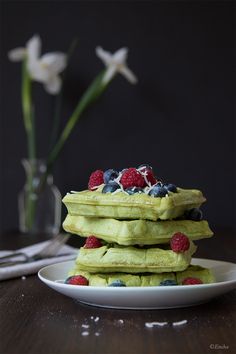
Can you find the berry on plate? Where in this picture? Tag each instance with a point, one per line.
(110, 187)
(158, 191)
(132, 178)
(147, 172)
(192, 281)
(150, 177)
(117, 283)
(194, 214)
(171, 187)
(168, 282)
(92, 242)
(95, 180)
(110, 175)
(179, 242)
(77, 280)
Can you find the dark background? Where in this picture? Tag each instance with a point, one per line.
(179, 118)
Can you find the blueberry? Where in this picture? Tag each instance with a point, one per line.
(109, 175)
(110, 187)
(133, 190)
(158, 191)
(194, 214)
(117, 283)
(171, 187)
(168, 282)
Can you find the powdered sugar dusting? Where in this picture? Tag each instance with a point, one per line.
(161, 324)
(153, 324)
(179, 323)
(85, 326)
(85, 333)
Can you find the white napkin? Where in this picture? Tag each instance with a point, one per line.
(23, 269)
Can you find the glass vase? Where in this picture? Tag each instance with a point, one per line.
(39, 201)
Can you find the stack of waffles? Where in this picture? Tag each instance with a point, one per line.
(139, 231)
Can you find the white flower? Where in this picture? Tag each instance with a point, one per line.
(116, 63)
(44, 69)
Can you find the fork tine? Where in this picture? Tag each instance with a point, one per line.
(57, 242)
(54, 245)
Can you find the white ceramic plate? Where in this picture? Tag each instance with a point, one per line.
(156, 297)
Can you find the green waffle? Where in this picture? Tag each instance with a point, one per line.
(108, 258)
(133, 232)
(204, 274)
(194, 271)
(137, 206)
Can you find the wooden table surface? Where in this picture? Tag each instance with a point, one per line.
(35, 319)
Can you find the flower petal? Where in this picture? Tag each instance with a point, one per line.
(128, 74)
(105, 56)
(120, 56)
(34, 48)
(55, 62)
(17, 54)
(110, 73)
(53, 85)
(37, 71)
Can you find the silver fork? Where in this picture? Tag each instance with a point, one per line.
(49, 251)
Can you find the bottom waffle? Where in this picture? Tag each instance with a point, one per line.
(146, 279)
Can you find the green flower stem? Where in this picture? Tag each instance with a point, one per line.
(30, 194)
(27, 108)
(93, 92)
(28, 117)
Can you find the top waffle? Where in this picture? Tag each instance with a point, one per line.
(137, 206)
(133, 193)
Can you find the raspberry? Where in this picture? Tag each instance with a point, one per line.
(150, 176)
(92, 242)
(192, 281)
(95, 179)
(179, 242)
(77, 280)
(132, 178)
